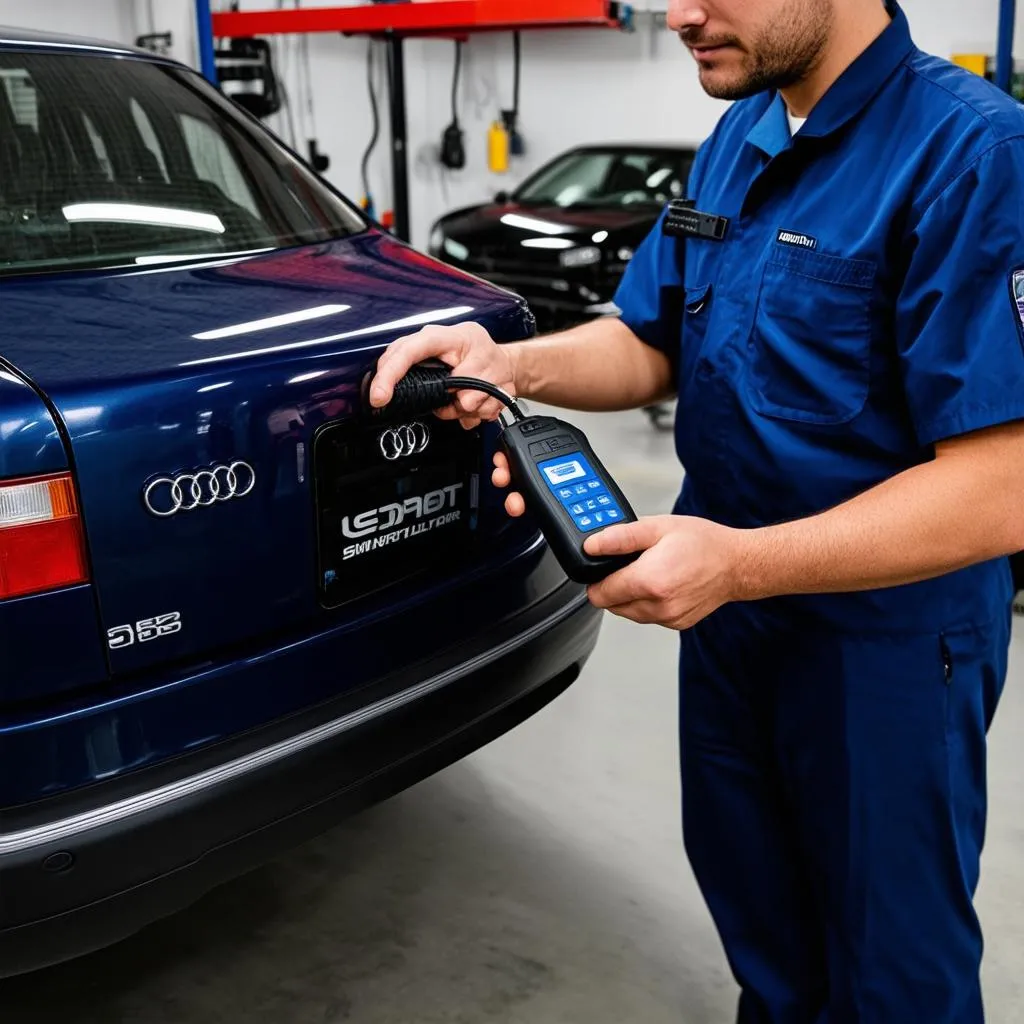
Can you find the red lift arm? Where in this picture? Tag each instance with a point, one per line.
(422, 17)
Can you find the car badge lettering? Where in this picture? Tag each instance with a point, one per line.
(401, 442)
(144, 630)
(166, 496)
(389, 517)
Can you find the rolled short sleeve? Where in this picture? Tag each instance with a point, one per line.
(960, 313)
(650, 294)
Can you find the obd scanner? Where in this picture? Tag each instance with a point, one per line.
(552, 465)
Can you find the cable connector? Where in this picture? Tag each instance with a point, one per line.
(428, 387)
(423, 389)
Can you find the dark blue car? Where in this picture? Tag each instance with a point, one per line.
(234, 608)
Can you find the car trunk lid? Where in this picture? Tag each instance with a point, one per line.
(214, 417)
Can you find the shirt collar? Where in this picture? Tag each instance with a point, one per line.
(847, 96)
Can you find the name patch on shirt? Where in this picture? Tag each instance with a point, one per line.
(800, 241)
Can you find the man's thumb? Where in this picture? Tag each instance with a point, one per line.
(623, 539)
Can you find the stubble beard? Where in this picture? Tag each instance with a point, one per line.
(783, 55)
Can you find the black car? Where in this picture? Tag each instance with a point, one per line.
(563, 239)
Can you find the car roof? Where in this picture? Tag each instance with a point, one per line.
(634, 147)
(12, 38)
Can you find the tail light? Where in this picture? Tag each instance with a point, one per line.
(41, 541)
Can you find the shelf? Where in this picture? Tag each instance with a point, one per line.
(421, 18)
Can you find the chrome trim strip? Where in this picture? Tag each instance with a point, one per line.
(59, 831)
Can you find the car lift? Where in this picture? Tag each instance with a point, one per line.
(396, 22)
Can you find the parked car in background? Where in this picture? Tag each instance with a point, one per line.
(234, 607)
(564, 238)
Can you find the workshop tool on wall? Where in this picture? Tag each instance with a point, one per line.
(453, 150)
(510, 118)
(498, 148)
(503, 138)
(245, 71)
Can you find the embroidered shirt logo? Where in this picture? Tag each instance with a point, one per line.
(802, 241)
(1018, 294)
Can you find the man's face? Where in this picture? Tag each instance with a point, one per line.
(743, 47)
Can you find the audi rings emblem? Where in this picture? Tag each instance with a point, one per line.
(168, 495)
(401, 442)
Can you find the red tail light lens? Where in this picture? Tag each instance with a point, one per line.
(41, 541)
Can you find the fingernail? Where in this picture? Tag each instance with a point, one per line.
(376, 394)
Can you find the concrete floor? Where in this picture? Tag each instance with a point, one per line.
(541, 881)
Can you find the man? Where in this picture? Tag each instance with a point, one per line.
(842, 332)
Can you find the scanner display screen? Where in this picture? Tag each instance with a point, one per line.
(584, 496)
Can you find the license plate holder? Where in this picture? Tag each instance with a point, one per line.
(391, 508)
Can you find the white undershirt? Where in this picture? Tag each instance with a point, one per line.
(795, 123)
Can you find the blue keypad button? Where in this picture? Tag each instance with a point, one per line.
(585, 521)
(604, 500)
(566, 492)
(591, 506)
(613, 514)
(577, 510)
(581, 489)
(594, 484)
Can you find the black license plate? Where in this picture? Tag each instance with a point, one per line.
(394, 501)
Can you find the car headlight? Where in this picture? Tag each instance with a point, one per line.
(456, 249)
(625, 254)
(583, 257)
(436, 239)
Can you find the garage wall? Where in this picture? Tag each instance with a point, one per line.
(102, 19)
(577, 87)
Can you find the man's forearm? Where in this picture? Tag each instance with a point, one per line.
(965, 507)
(598, 367)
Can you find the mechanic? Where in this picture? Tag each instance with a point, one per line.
(842, 333)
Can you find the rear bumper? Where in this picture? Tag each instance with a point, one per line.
(74, 877)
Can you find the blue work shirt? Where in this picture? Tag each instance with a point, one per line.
(864, 304)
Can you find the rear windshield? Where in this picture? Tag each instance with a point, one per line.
(110, 162)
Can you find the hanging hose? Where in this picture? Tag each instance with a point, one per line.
(368, 196)
(453, 151)
(511, 117)
(517, 43)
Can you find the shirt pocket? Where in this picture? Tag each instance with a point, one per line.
(697, 306)
(811, 337)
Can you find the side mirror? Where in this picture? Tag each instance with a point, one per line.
(501, 198)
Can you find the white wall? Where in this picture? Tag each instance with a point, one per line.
(577, 86)
(100, 19)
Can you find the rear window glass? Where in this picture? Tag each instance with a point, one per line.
(111, 162)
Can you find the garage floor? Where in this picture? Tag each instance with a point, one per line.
(540, 881)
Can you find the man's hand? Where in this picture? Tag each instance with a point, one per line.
(689, 568)
(470, 352)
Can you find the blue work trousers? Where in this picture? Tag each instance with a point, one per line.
(834, 809)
